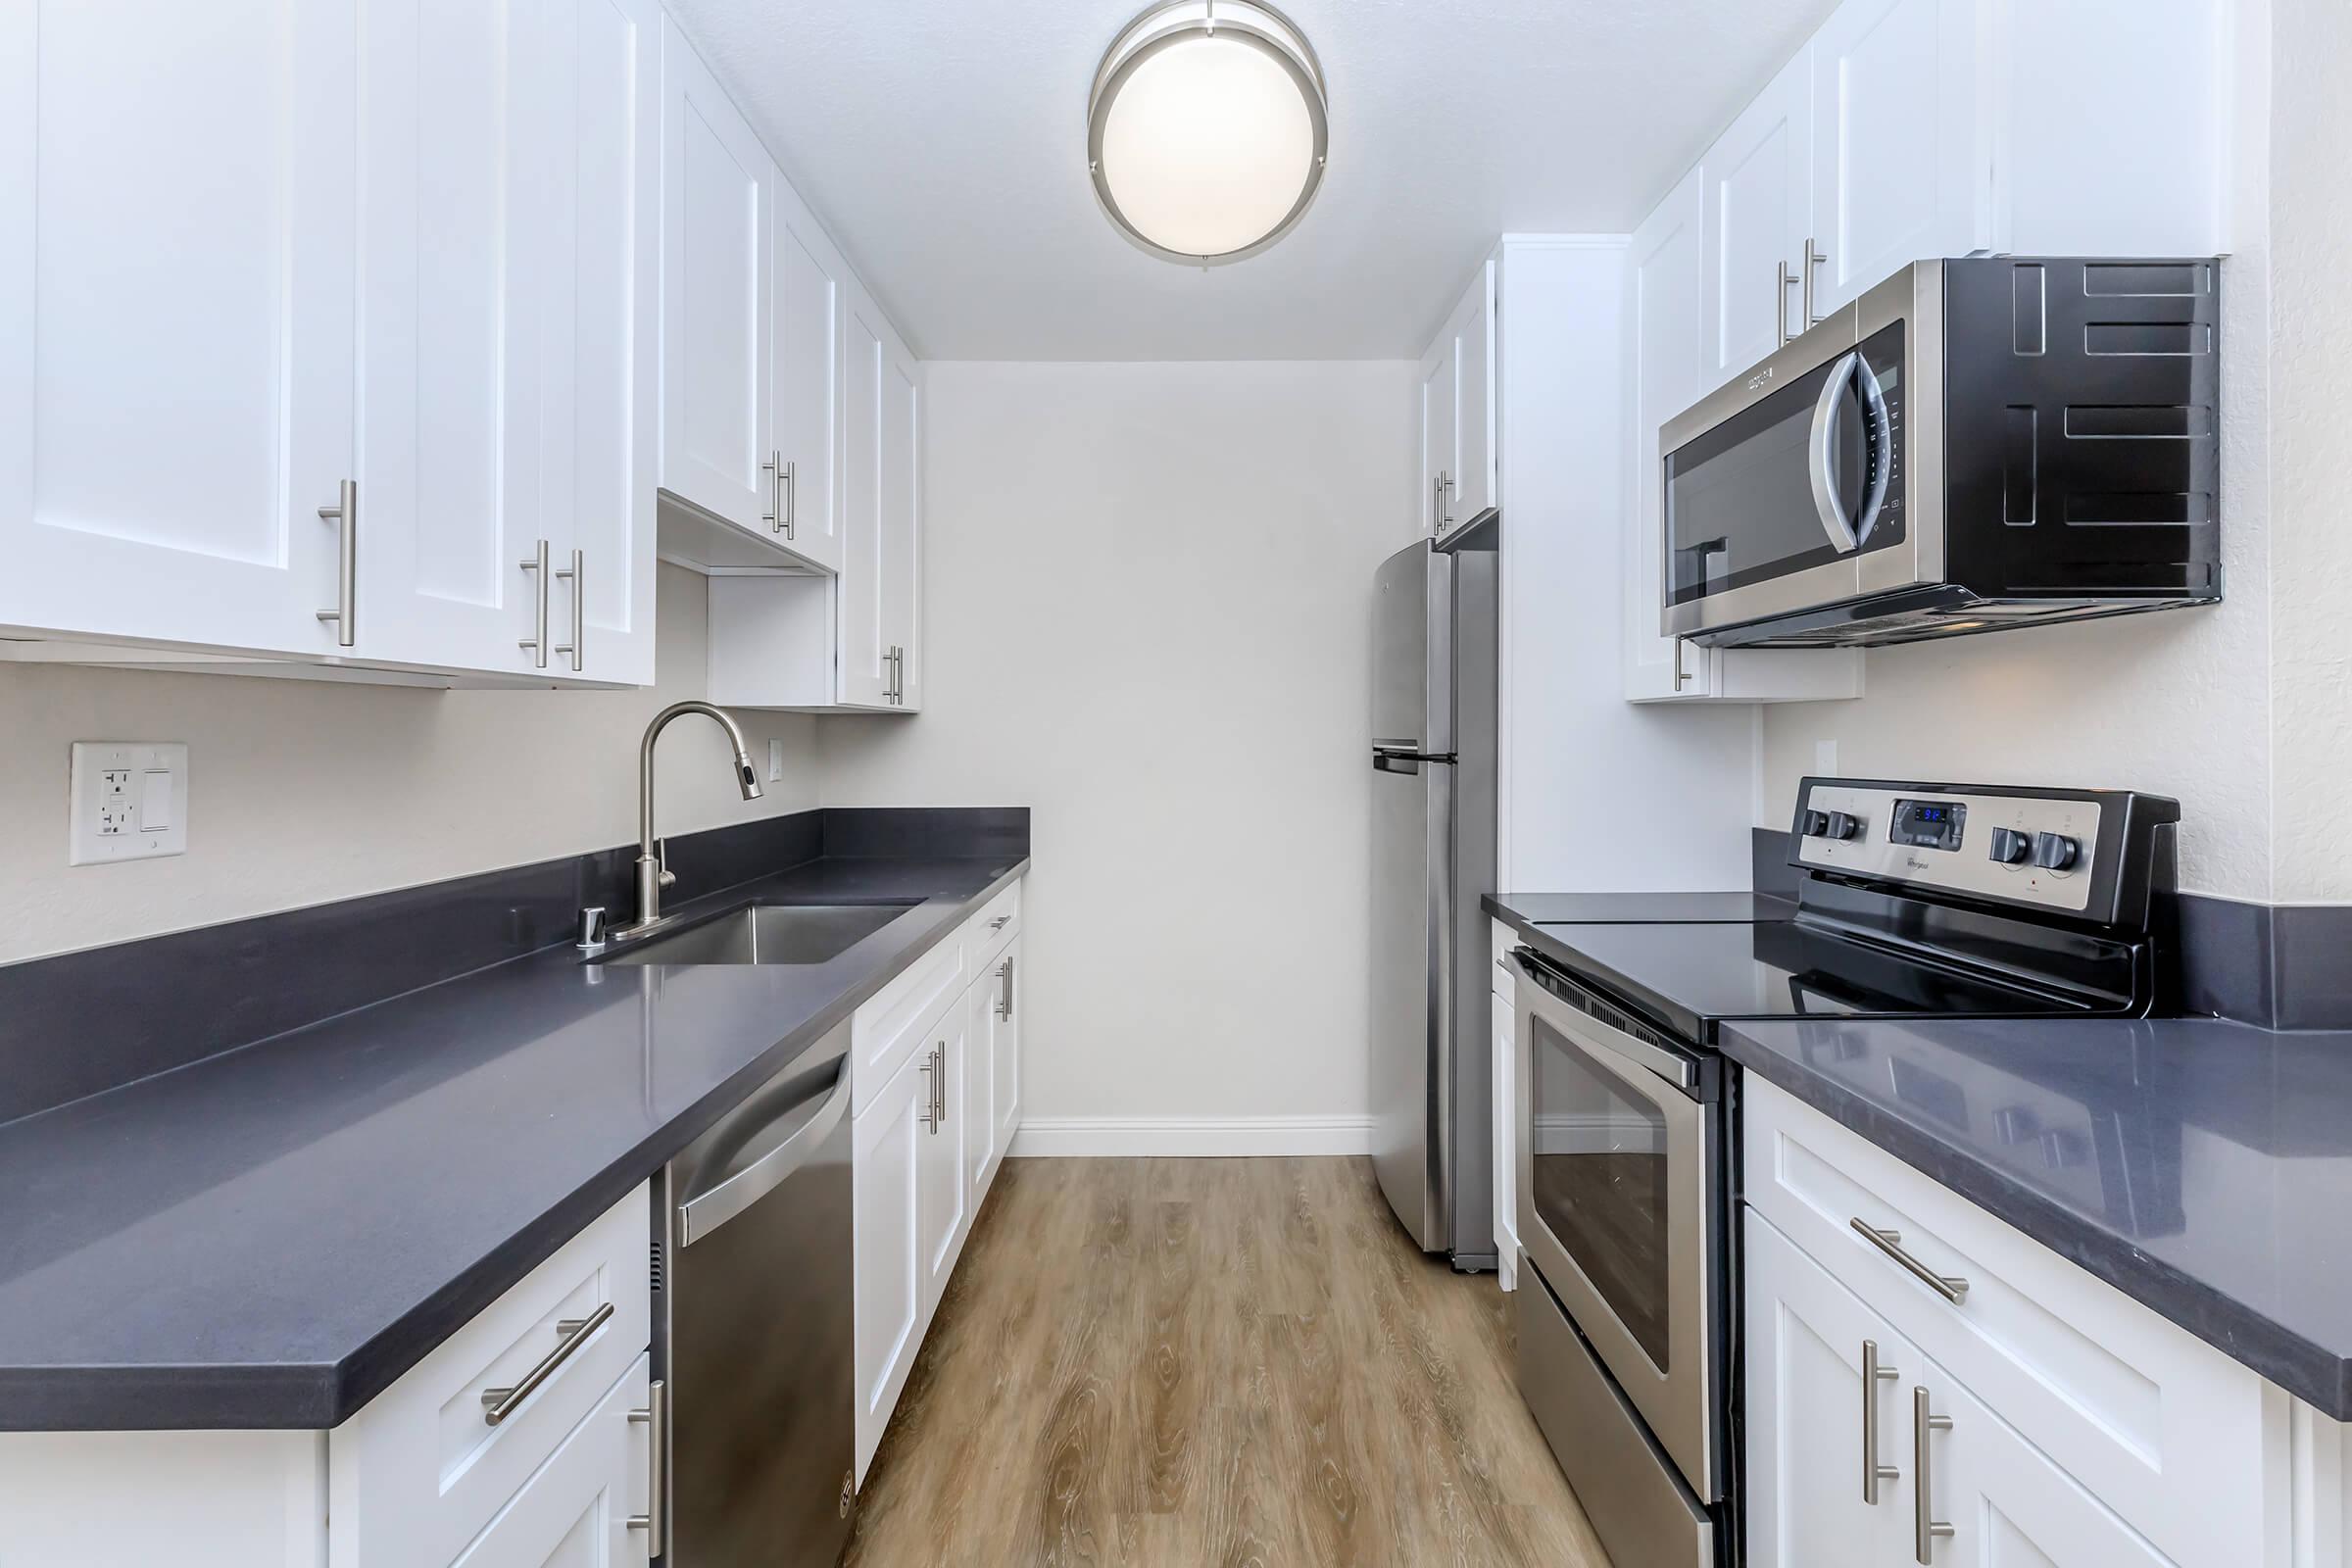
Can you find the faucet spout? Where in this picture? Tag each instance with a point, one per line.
(652, 874)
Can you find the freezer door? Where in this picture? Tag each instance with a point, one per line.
(1412, 651)
(1412, 893)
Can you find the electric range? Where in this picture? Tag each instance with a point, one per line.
(1914, 900)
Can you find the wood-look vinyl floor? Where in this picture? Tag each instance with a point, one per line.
(1175, 1363)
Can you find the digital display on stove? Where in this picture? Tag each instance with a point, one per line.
(1928, 824)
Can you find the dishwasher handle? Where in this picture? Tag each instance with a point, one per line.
(706, 1212)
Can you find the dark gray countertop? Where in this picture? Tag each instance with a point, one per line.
(269, 1237)
(2202, 1167)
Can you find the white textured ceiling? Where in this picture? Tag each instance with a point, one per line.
(944, 143)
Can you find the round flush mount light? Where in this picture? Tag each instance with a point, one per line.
(1207, 131)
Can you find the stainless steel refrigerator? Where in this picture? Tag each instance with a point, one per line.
(1434, 613)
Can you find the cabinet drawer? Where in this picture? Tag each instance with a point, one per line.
(418, 1472)
(2160, 1427)
(577, 1509)
(896, 1021)
(996, 923)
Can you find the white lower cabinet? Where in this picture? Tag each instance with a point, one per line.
(927, 1143)
(576, 1513)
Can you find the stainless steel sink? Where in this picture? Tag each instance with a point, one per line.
(768, 933)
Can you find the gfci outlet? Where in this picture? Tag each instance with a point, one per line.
(129, 802)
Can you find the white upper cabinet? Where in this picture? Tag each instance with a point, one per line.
(1457, 467)
(176, 319)
(718, 196)
(1899, 172)
(901, 550)
(1758, 180)
(1662, 282)
(864, 650)
(807, 388)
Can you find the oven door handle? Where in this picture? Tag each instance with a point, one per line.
(1676, 1070)
(1825, 499)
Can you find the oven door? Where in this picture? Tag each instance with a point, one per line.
(1789, 490)
(1618, 1145)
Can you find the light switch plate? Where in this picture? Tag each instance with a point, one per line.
(129, 802)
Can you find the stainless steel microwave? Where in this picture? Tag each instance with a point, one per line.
(1971, 445)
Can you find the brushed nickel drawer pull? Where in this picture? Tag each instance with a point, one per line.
(1926, 1528)
(655, 1418)
(500, 1404)
(1952, 1287)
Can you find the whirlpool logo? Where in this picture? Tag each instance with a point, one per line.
(1762, 378)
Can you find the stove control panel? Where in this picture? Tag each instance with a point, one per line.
(2016, 846)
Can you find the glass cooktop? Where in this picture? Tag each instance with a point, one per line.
(1690, 976)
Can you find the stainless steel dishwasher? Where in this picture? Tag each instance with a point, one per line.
(754, 1294)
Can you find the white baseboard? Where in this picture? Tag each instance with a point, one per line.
(1189, 1137)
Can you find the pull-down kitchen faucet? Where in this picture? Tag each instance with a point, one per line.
(652, 875)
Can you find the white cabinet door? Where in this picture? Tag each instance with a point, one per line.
(719, 193)
(1506, 1144)
(902, 545)
(1662, 313)
(453, 258)
(600, 309)
(807, 387)
(2008, 1505)
(1004, 1048)
(1472, 332)
(1807, 1341)
(866, 673)
(886, 1144)
(576, 1512)
(175, 330)
(943, 1202)
(1441, 455)
(1758, 178)
(1901, 171)
(979, 1088)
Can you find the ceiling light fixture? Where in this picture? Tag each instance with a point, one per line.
(1207, 130)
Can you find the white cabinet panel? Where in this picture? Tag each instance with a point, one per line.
(808, 384)
(865, 664)
(978, 1091)
(718, 207)
(1441, 455)
(1663, 272)
(2008, 1505)
(1458, 445)
(175, 324)
(901, 543)
(886, 1150)
(944, 1199)
(576, 1512)
(1506, 1142)
(1757, 180)
(1899, 172)
(600, 305)
(1001, 990)
(1806, 1339)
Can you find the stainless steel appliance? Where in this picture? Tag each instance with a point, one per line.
(1915, 901)
(1971, 445)
(1434, 615)
(752, 1326)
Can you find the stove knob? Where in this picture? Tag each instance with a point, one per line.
(1842, 826)
(1815, 824)
(2055, 851)
(2010, 847)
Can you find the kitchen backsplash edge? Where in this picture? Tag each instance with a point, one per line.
(79, 1023)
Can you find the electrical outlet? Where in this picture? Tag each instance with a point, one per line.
(129, 802)
(775, 759)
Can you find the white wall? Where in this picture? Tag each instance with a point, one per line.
(2182, 704)
(1147, 617)
(301, 792)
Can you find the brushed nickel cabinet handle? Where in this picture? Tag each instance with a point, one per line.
(1000, 923)
(500, 1404)
(931, 1071)
(575, 575)
(1682, 677)
(1926, 1528)
(1813, 261)
(1005, 1003)
(1874, 1374)
(655, 1521)
(1952, 1287)
(1781, 335)
(791, 482)
(536, 641)
(773, 468)
(939, 1090)
(345, 614)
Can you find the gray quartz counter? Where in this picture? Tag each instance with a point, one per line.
(269, 1237)
(2203, 1168)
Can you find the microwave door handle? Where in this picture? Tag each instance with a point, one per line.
(1825, 499)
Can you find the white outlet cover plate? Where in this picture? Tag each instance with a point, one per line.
(129, 802)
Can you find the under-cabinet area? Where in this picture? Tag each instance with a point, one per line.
(1197, 781)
